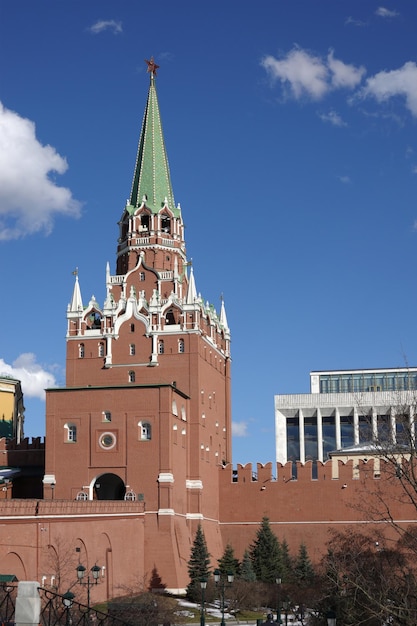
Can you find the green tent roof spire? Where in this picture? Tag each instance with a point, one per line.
(151, 179)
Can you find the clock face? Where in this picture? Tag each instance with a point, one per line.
(107, 441)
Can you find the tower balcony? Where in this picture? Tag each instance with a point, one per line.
(117, 280)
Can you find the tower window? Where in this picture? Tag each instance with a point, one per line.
(132, 349)
(101, 349)
(106, 416)
(144, 222)
(181, 346)
(81, 350)
(132, 377)
(165, 224)
(170, 317)
(71, 433)
(132, 328)
(94, 320)
(107, 441)
(161, 347)
(145, 431)
(142, 276)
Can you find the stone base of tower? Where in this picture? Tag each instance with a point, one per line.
(168, 543)
(167, 550)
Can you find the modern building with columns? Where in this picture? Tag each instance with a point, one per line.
(362, 407)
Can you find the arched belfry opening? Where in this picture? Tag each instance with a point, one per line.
(109, 487)
(145, 222)
(165, 223)
(172, 316)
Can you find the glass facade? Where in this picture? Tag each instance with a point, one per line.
(346, 431)
(329, 435)
(331, 422)
(350, 382)
(293, 438)
(310, 437)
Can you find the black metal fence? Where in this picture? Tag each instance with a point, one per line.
(8, 593)
(54, 612)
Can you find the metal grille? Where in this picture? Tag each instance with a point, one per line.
(53, 612)
(8, 594)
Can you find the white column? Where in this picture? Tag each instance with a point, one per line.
(392, 429)
(374, 424)
(338, 430)
(355, 425)
(302, 440)
(108, 357)
(281, 451)
(154, 357)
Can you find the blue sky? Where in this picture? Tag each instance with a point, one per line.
(291, 134)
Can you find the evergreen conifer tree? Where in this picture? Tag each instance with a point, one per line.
(303, 569)
(246, 569)
(198, 565)
(228, 563)
(287, 565)
(265, 554)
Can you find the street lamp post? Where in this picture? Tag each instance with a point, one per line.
(203, 584)
(331, 618)
(92, 579)
(278, 581)
(67, 599)
(286, 606)
(221, 582)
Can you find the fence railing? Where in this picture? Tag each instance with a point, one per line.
(54, 612)
(8, 593)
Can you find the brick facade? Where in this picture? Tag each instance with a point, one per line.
(138, 442)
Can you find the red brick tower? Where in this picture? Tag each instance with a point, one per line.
(145, 412)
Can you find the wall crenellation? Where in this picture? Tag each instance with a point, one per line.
(333, 469)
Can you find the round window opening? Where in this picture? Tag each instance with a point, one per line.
(107, 441)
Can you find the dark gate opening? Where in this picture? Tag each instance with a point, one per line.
(109, 487)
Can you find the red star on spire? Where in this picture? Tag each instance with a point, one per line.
(152, 66)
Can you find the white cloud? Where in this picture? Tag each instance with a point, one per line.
(34, 378)
(29, 199)
(103, 25)
(345, 180)
(332, 117)
(305, 73)
(401, 82)
(310, 75)
(383, 12)
(414, 169)
(239, 429)
(344, 75)
(351, 20)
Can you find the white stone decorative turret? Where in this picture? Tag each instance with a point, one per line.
(223, 318)
(192, 291)
(76, 304)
